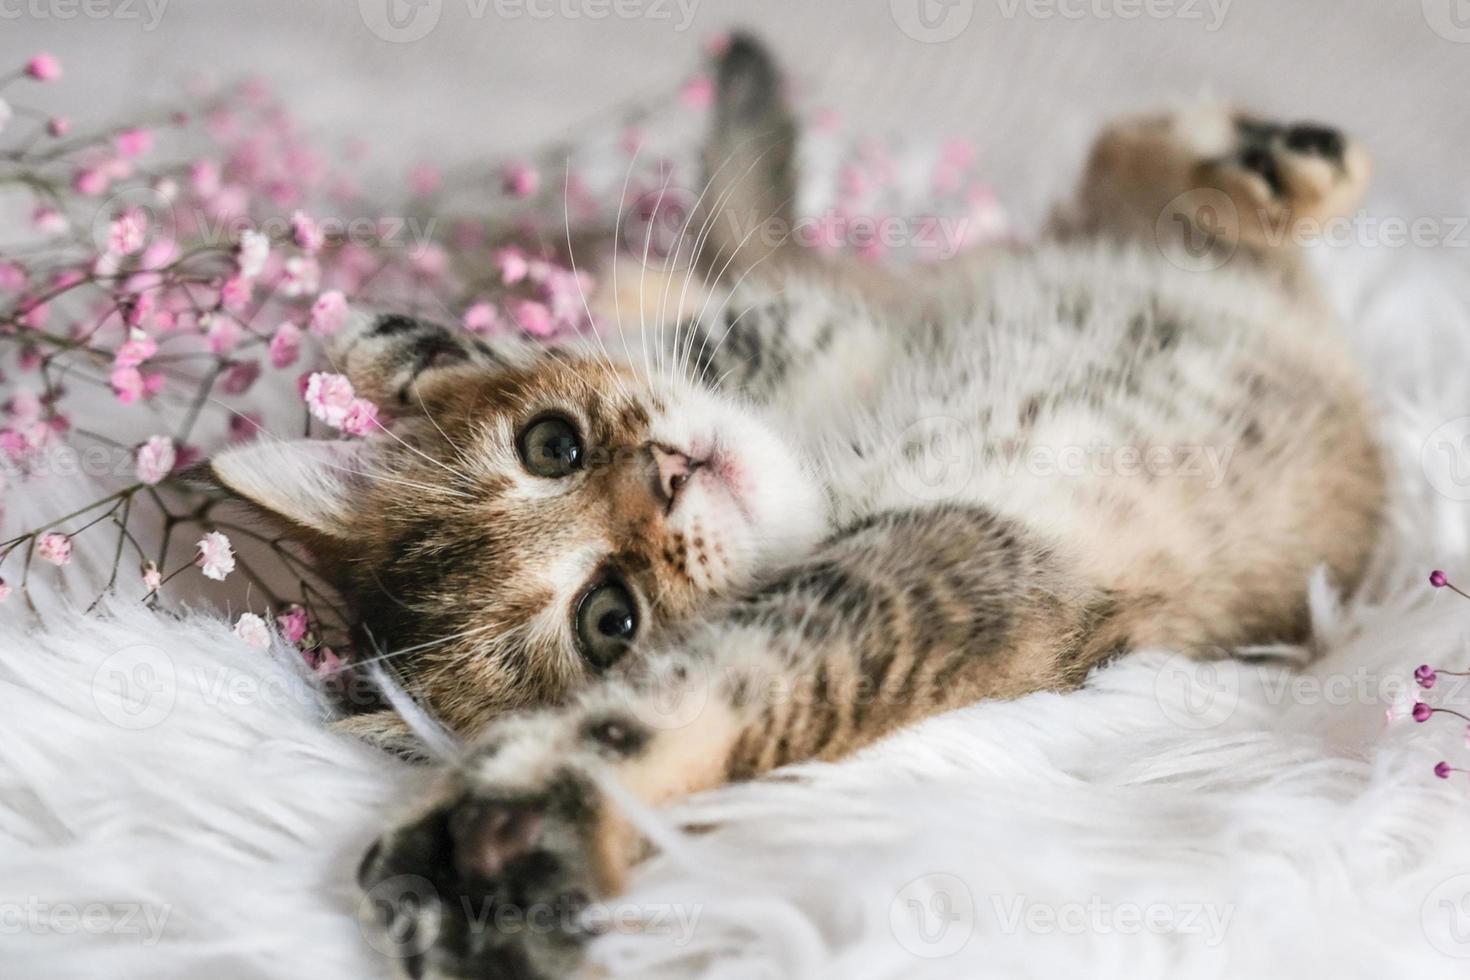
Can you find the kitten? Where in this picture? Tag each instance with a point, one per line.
(826, 502)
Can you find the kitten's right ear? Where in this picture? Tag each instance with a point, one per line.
(306, 483)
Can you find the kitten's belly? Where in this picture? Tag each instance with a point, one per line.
(1159, 426)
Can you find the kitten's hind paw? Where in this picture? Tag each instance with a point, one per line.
(1214, 178)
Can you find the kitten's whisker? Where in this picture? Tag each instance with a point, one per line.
(263, 432)
(391, 654)
(459, 453)
(734, 290)
(582, 293)
(707, 226)
(643, 279)
(617, 247)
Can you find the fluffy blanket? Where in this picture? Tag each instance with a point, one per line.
(172, 805)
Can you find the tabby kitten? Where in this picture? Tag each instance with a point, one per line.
(816, 505)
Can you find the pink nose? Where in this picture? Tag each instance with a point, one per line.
(674, 470)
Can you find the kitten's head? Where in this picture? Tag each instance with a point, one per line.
(531, 517)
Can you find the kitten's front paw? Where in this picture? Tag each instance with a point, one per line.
(498, 876)
(486, 885)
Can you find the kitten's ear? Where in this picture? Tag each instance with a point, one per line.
(308, 483)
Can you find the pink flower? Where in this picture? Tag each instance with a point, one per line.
(698, 92)
(4, 590)
(133, 142)
(328, 664)
(222, 333)
(329, 397)
(255, 249)
(480, 317)
(156, 459)
(328, 313)
(292, 624)
(58, 126)
(135, 350)
(127, 384)
(305, 233)
(301, 276)
(24, 407)
(285, 345)
(564, 291)
(424, 180)
(12, 277)
(215, 556)
(428, 260)
(33, 314)
(90, 182)
(128, 232)
(204, 177)
(241, 375)
(1425, 675)
(245, 426)
(234, 293)
(361, 418)
(534, 318)
(520, 180)
(513, 265)
(54, 547)
(152, 577)
(48, 221)
(43, 67)
(253, 630)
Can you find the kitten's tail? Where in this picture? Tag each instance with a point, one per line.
(749, 163)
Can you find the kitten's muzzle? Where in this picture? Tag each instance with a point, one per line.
(670, 473)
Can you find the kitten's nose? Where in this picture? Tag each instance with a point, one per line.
(672, 472)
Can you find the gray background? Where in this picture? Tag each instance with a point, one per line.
(1028, 80)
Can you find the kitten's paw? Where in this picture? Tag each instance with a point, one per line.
(1288, 174)
(1218, 173)
(486, 884)
(497, 877)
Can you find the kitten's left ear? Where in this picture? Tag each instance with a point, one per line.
(308, 483)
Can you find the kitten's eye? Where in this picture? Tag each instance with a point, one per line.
(607, 621)
(551, 447)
